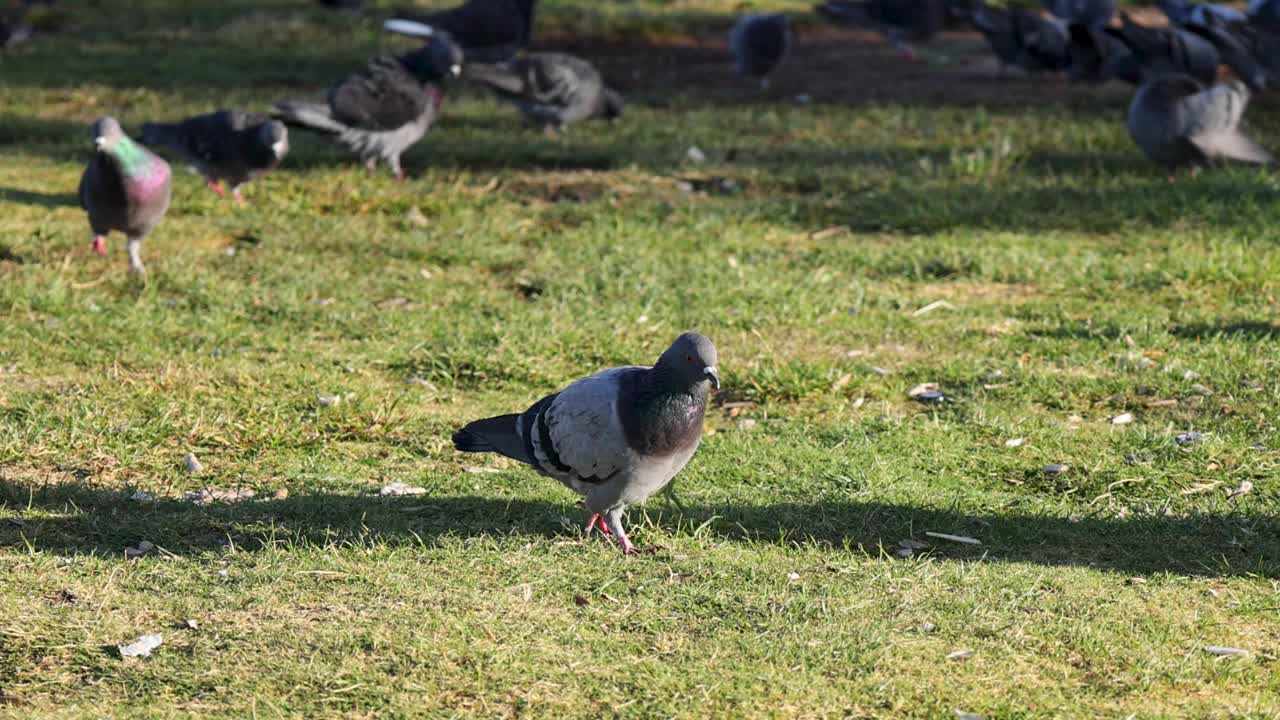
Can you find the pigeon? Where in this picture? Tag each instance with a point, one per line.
(1168, 51)
(351, 6)
(125, 187)
(1264, 12)
(1023, 38)
(759, 43)
(225, 145)
(13, 32)
(1176, 120)
(553, 90)
(902, 22)
(1097, 56)
(384, 108)
(1090, 13)
(1239, 46)
(615, 437)
(486, 30)
(1182, 12)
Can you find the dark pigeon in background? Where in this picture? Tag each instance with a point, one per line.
(616, 437)
(1239, 46)
(759, 43)
(1168, 51)
(1183, 12)
(1264, 12)
(1177, 121)
(1090, 13)
(225, 145)
(1098, 56)
(385, 107)
(1022, 38)
(553, 90)
(902, 22)
(125, 187)
(486, 30)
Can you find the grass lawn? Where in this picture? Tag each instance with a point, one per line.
(1076, 283)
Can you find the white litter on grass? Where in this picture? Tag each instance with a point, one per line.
(1223, 651)
(478, 470)
(1014, 442)
(695, 154)
(966, 715)
(923, 388)
(793, 577)
(954, 538)
(141, 647)
(935, 305)
(1122, 419)
(328, 400)
(962, 654)
(1245, 488)
(399, 488)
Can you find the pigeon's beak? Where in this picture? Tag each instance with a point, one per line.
(278, 149)
(455, 70)
(99, 142)
(713, 375)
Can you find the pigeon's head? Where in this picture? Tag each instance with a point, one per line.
(613, 105)
(274, 135)
(692, 359)
(106, 133)
(439, 60)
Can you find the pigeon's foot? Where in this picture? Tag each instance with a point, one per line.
(216, 186)
(630, 549)
(100, 245)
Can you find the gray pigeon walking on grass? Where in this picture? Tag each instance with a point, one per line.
(553, 90)
(1177, 121)
(759, 43)
(125, 187)
(385, 107)
(225, 145)
(615, 437)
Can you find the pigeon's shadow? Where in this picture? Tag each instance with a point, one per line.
(72, 518)
(31, 197)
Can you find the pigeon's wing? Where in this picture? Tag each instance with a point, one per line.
(487, 30)
(577, 436)
(1211, 122)
(382, 96)
(557, 79)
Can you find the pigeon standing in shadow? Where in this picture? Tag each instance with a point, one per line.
(1098, 56)
(902, 22)
(1264, 12)
(1022, 38)
(1090, 13)
(1167, 51)
(1176, 120)
(759, 43)
(553, 90)
(486, 30)
(384, 108)
(615, 437)
(1182, 12)
(125, 187)
(225, 145)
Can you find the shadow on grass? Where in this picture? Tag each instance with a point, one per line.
(30, 197)
(72, 519)
(1253, 329)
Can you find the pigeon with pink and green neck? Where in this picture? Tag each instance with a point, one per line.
(125, 187)
(226, 145)
(384, 108)
(616, 437)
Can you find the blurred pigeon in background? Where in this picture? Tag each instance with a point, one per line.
(759, 43)
(485, 30)
(1167, 51)
(125, 187)
(1023, 38)
(1098, 56)
(1090, 13)
(385, 107)
(902, 22)
(225, 145)
(1183, 12)
(553, 90)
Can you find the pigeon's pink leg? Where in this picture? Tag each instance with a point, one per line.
(614, 520)
(216, 186)
(100, 245)
(235, 193)
(595, 520)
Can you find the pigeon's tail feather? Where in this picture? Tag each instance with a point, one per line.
(166, 134)
(1236, 146)
(307, 115)
(495, 434)
(497, 76)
